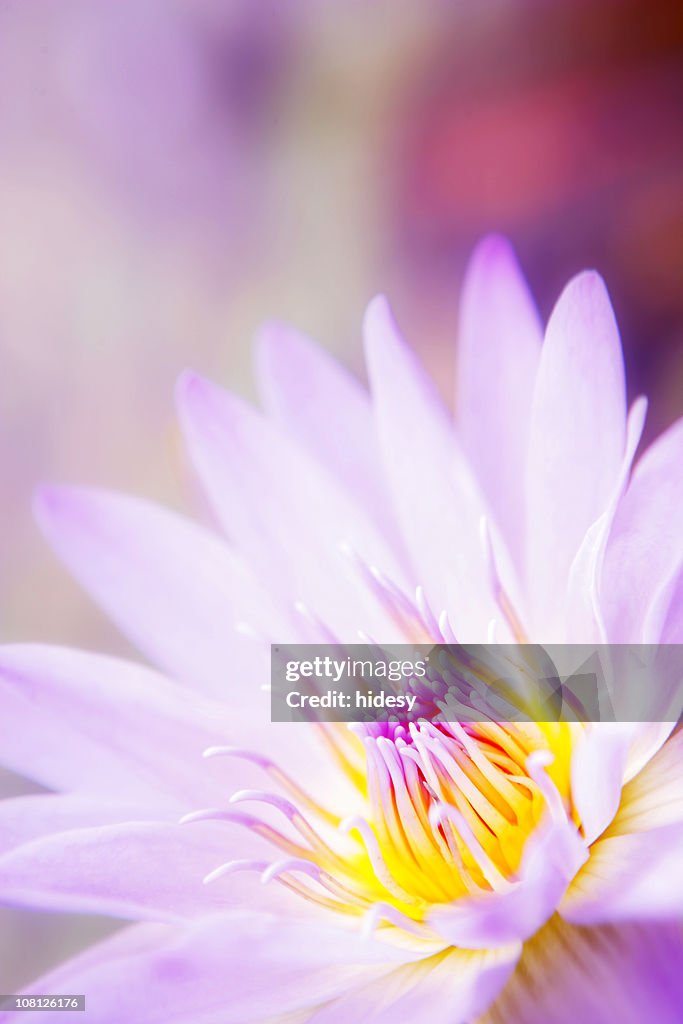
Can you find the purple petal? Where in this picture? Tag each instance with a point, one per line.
(441, 990)
(645, 550)
(598, 772)
(125, 943)
(439, 504)
(630, 877)
(584, 619)
(135, 869)
(24, 818)
(636, 869)
(285, 512)
(551, 859)
(630, 974)
(102, 726)
(326, 410)
(239, 968)
(95, 725)
(613, 764)
(672, 631)
(577, 441)
(498, 351)
(174, 588)
(652, 769)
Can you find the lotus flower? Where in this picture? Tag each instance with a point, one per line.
(431, 873)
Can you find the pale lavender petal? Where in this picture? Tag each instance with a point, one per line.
(630, 877)
(136, 869)
(284, 511)
(123, 945)
(636, 869)
(175, 589)
(645, 549)
(672, 631)
(439, 504)
(653, 794)
(612, 763)
(553, 855)
(450, 989)
(24, 818)
(630, 974)
(327, 411)
(238, 968)
(598, 770)
(577, 441)
(499, 345)
(127, 733)
(584, 618)
(101, 726)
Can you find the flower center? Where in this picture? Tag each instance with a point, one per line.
(439, 811)
(442, 811)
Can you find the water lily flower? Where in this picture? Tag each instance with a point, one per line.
(439, 873)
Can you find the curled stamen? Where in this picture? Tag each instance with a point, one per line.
(536, 764)
(379, 912)
(254, 824)
(276, 773)
(321, 632)
(444, 812)
(348, 892)
(414, 827)
(379, 866)
(280, 872)
(425, 611)
(231, 867)
(293, 815)
(446, 629)
(497, 780)
(230, 751)
(489, 813)
(391, 598)
(205, 814)
(249, 631)
(281, 867)
(499, 591)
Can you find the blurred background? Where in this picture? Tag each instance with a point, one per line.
(173, 172)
